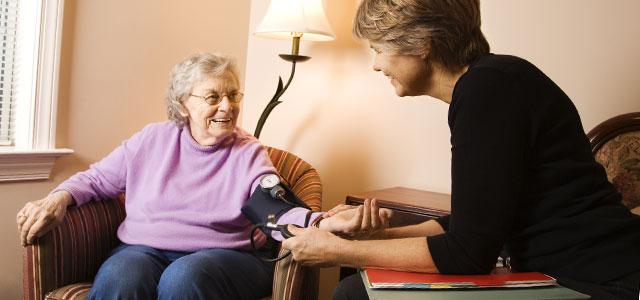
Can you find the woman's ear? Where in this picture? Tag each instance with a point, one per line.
(183, 111)
(426, 51)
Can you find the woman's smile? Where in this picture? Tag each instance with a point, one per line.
(221, 121)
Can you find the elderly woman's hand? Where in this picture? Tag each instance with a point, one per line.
(38, 217)
(357, 222)
(313, 247)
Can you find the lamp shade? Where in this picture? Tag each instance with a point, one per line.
(286, 17)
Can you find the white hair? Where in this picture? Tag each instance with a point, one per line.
(190, 71)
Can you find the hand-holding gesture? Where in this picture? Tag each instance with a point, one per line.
(357, 222)
(313, 247)
(38, 217)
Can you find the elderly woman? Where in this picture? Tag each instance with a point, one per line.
(523, 177)
(184, 236)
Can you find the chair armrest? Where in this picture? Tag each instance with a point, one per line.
(292, 280)
(73, 251)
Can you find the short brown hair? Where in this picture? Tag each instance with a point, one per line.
(449, 30)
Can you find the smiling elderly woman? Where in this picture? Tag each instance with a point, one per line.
(185, 181)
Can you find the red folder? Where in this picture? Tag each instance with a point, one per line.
(498, 278)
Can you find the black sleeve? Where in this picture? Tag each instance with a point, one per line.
(444, 222)
(488, 139)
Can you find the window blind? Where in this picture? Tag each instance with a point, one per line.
(8, 33)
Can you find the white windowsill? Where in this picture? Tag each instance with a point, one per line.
(16, 164)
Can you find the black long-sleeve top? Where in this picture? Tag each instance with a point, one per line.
(523, 177)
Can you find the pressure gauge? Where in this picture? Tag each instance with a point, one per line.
(269, 181)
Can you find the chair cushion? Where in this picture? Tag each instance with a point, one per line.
(620, 157)
(72, 291)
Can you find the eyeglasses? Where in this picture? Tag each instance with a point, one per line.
(215, 98)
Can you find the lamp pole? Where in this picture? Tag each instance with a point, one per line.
(293, 58)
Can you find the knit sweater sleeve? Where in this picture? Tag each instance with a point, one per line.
(106, 178)
(488, 137)
(258, 164)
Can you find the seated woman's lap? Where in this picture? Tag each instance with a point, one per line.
(140, 272)
(222, 274)
(350, 288)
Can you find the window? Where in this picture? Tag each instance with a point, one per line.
(8, 32)
(30, 37)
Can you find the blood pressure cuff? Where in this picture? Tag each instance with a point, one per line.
(261, 204)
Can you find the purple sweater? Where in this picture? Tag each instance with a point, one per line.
(181, 196)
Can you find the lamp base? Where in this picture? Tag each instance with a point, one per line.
(294, 58)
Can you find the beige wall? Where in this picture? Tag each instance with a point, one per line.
(345, 119)
(337, 114)
(116, 57)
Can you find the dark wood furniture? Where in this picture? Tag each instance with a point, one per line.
(410, 206)
(615, 144)
(613, 127)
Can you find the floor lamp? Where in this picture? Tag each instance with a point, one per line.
(296, 20)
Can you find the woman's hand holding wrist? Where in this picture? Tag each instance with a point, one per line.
(314, 247)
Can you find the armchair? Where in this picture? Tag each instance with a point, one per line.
(615, 144)
(62, 263)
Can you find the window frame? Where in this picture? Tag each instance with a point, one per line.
(34, 153)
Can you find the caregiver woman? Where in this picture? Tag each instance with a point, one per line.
(523, 177)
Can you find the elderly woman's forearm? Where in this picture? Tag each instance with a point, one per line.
(410, 254)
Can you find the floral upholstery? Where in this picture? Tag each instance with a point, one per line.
(62, 263)
(620, 157)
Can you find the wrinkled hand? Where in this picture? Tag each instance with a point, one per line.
(357, 222)
(313, 247)
(38, 217)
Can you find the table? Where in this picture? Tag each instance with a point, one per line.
(410, 206)
(537, 293)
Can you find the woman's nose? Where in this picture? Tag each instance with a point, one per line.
(376, 64)
(225, 104)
